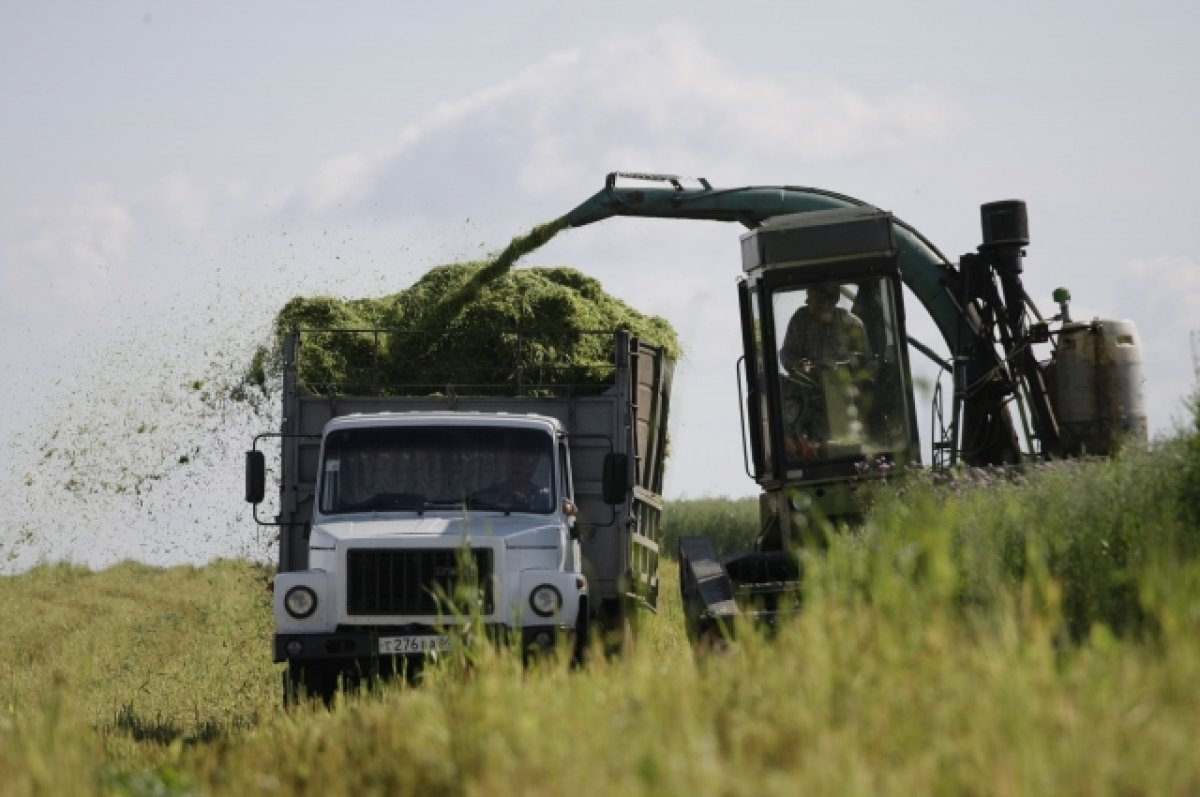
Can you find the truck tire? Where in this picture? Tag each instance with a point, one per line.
(303, 681)
(583, 625)
(617, 621)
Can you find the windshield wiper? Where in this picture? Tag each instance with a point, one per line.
(444, 503)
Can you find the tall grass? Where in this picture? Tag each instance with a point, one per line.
(731, 524)
(1100, 535)
(1039, 636)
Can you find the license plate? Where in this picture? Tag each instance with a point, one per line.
(413, 644)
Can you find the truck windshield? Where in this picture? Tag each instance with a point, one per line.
(414, 468)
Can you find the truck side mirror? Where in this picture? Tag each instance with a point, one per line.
(615, 484)
(256, 476)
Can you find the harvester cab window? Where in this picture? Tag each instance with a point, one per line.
(840, 387)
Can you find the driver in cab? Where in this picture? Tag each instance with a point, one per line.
(821, 339)
(517, 490)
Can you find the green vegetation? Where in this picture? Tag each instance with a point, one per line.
(466, 324)
(109, 676)
(730, 524)
(554, 325)
(1038, 635)
(519, 247)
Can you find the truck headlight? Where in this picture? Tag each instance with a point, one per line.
(545, 600)
(300, 602)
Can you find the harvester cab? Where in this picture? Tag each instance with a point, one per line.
(827, 392)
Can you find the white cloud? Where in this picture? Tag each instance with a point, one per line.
(58, 256)
(663, 99)
(1166, 308)
(182, 203)
(1170, 291)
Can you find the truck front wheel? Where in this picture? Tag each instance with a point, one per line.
(309, 680)
(583, 625)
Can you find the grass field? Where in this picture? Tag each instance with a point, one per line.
(1025, 636)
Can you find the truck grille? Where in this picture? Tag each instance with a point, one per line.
(384, 581)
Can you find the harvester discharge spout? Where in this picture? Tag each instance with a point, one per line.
(669, 196)
(642, 201)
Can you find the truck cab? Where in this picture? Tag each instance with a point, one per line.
(428, 520)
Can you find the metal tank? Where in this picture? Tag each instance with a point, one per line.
(1099, 386)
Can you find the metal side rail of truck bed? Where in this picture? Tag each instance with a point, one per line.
(719, 594)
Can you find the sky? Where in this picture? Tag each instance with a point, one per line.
(170, 174)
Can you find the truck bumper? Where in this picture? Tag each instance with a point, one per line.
(358, 645)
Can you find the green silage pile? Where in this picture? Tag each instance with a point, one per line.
(517, 248)
(470, 327)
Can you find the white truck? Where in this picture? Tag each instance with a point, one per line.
(403, 514)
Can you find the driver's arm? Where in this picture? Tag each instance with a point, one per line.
(791, 356)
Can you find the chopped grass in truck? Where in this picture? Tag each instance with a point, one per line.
(459, 324)
(433, 342)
